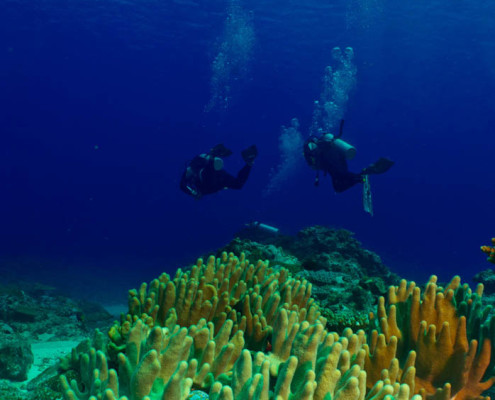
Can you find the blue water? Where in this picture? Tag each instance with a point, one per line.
(103, 102)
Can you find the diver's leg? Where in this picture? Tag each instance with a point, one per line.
(343, 181)
(234, 182)
(242, 176)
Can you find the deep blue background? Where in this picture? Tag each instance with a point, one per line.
(132, 78)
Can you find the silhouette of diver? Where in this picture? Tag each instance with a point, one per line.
(329, 154)
(204, 174)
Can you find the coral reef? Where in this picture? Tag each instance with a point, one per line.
(346, 278)
(316, 245)
(231, 330)
(227, 288)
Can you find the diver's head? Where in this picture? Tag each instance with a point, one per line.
(327, 137)
(217, 163)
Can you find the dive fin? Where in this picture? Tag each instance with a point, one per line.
(378, 167)
(367, 200)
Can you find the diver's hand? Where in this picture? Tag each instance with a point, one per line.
(194, 193)
(249, 155)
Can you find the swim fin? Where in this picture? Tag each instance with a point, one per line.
(220, 151)
(250, 154)
(378, 167)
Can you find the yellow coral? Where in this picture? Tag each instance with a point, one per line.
(227, 288)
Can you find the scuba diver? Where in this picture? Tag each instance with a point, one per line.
(204, 174)
(328, 153)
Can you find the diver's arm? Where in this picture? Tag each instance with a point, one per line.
(188, 187)
(193, 192)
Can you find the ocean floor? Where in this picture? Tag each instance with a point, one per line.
(48, 350)
(38, 326)
(46, 354)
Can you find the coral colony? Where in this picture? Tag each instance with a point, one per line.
(231, 329)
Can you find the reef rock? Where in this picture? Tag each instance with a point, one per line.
(16, 356)
(487, 278)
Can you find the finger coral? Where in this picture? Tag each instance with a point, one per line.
(227, 288)
(426, 330)
(231, 330)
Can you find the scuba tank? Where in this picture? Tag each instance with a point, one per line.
(346, 148)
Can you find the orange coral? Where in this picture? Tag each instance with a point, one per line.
(427, 328)
(490, 251)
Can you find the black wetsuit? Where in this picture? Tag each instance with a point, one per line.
(200, 177)
(325, 156)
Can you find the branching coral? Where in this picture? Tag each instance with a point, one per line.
(160, 364)
(204, 329)
(228, 288)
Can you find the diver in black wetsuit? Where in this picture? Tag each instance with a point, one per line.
(205, 173)
(328, 153)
